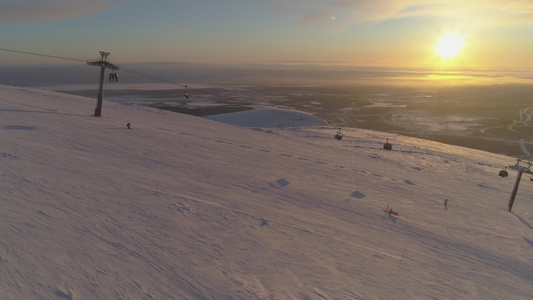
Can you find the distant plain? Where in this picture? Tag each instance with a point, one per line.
(491, 118)
(483, 110)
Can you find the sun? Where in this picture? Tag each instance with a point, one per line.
(449, 46)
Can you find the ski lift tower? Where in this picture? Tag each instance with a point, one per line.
(103, 64)
(520, 169)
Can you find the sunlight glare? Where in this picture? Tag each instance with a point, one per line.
(449, 46)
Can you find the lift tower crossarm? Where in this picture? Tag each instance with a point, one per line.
(103, 64)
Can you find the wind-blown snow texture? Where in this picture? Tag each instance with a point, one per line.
(182, 207)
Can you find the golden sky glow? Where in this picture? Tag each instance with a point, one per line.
(400, 33)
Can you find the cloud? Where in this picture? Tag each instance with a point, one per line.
(38, 11)
(483, 12)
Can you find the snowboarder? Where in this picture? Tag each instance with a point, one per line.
(128, 125)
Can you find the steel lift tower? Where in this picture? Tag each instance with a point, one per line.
(103, 64)
(520, 169)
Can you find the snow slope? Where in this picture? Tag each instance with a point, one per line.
(183, 207)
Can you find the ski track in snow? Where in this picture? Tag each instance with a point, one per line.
(182, 207)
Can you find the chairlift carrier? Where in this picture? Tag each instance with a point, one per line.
(187, 96)
(113, 77)
(387, 145)
(504, 173)
(338, 135)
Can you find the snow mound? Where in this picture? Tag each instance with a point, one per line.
(263, 117)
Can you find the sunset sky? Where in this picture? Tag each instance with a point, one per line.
(399, 33)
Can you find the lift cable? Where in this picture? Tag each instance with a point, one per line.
(85, 60)
(44, 55)
(150, 76)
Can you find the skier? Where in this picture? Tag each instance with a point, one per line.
(128, 125)
(446, 203)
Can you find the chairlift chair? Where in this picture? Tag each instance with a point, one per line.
(113, 77)
(504, 173)
(187, 96)
(387, 145)
(338, 135)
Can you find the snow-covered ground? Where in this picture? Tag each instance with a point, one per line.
(269, 117)
(182, 207)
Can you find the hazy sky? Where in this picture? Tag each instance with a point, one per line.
(402, 33)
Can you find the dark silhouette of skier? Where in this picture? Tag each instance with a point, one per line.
(128, 125)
